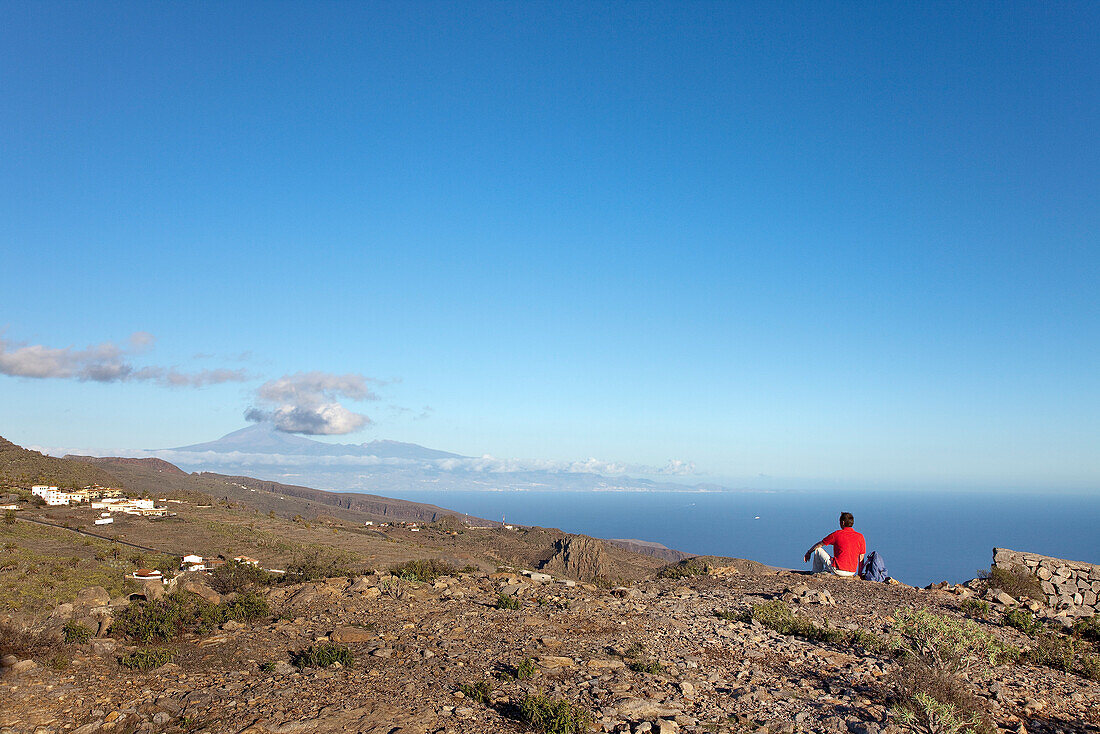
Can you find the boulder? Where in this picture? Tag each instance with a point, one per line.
(642, 709)
(92, 596)
(554, 662)
(352, 635)
(202, 590)
(152, 589)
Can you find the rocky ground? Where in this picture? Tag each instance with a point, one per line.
(667, 655)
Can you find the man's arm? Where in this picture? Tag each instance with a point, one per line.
(862, 557)
(811, 551)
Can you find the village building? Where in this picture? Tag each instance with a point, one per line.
(51, 495)
(193, 563)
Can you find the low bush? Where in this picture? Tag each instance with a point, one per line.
(932, 701)
(507, 602)
(182, 613)
(427, 569)
(976, 608)
(1017, 581)
(246, 607)
(554, 716)
(323, 655)
(1090, 667)
(236, 577)
(1022, 619)
(645, 666)
(945, 644)
(925, 714)
(526, 669)
(59, 662)
(1088, 628)
(684, 569)
(777, 616)
(1053, 651)
(75, 633)
(146, 658)
(317, 564)
(479, 692)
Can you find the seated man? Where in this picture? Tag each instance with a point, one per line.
(849, 550)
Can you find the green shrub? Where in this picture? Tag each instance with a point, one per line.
(731, 616)
(246, 607)
(554, 716)
(75, 633)
(428, 570)
(1053, 651)
(925, 714)
(9, 517)
(1022, 619)
(182, 613)
(976, 608)
(930, 701)
(1090, 667)
(146, 658)
(953, 646)
(59, 662)
(1017, 581)
(684, 569)
(507, 602)
(323, 655)
(777, 616)
(318, 564)
(236, 577)
(526, 669)
(1088, 628)
(479, 692)
(645, 666)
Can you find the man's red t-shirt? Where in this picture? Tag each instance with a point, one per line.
(848, 546)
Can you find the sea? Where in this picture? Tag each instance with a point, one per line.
(924, 537)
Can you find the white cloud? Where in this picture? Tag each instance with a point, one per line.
(677, 467)
(308, 402)
(106, 362)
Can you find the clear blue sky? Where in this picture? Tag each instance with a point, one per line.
(837, 244)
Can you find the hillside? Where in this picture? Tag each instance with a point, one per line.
(23, 467)
(725, 653)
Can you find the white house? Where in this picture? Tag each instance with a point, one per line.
(52, 495)
(103, 520)
(193, 563)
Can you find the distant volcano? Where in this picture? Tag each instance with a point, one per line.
(263, 438)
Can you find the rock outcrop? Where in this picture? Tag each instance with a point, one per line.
(578, 557)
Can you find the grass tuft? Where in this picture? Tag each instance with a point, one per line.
(146, 658)
(554, 716)
(323, 655)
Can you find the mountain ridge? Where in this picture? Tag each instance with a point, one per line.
(263, 438)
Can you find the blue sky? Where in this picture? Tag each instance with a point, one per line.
(835, 244)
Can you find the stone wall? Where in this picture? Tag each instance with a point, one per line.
(1070, 586)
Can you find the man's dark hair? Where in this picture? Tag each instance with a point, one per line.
(846, 520)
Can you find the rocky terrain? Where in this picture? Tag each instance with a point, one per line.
(448, 655)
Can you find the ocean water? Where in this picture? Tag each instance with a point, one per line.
(925, 537)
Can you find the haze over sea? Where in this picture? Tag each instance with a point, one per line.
(925, 537)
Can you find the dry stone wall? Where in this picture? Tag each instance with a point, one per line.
(1070, 586)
